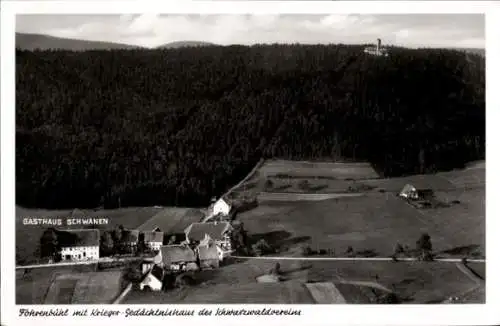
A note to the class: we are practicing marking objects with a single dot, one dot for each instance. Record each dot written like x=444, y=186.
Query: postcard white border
x=486, y=314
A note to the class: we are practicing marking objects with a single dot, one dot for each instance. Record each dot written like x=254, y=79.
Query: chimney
x=379, y=43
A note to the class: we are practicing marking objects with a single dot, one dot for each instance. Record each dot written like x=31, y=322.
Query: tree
x=117, y=238
x=389, y=298
x=424, y=243
x=304, y=184
x=172, y=240
x=150, y=146
x=261, y=247
x=276, y=270
x=269, y=184
x=424, y=247
x=398, y=249
x=49, y=245
x=107, y=244
x=349, y=251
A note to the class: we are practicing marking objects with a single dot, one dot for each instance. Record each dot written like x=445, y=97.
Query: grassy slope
x=378, y=220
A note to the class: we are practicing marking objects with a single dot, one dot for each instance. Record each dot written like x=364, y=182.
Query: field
x=84, y=288
x=333, y=170
x=28, y=236
x=325, y=293
x=259, y=293
x=32, y=286
x=416, y=282
x=375, y=219
x=376, y=222
x=173, y=219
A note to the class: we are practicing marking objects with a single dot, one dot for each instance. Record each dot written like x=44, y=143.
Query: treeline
x=177, y=126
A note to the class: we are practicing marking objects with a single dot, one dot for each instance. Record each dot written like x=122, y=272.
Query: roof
x=408, y=188
x=157, y=272
x=208, y=252
x=176, y=254
x=129, y=236
x=78, y=238
x=152, y=236
x=197, y=231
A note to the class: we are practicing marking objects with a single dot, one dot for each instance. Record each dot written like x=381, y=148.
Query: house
x=221, y=206
x=82, y=244
x=177, y=258
x=130, y=239
x=153, y=239
x=209, y=255
x=153, y=279
x=219, y=232
x=409, y=192
x=377, y=50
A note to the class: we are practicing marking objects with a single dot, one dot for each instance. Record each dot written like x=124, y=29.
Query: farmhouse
x=153, y=279
x=79, y=244
x=409, y=192
x=153, y=239
x=221, y=206
x=219, y=232
x=177, y=258
x=209, y=255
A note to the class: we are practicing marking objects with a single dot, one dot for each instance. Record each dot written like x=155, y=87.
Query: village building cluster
x=202, y=245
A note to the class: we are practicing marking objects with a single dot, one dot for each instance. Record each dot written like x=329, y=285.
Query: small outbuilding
x=153, y=279
x=409, y=192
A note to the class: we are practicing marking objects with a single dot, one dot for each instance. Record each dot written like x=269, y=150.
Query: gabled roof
x=408, y=188
x=208, y=252
x=197, y=231
x=78, y=238
x=152, y=236
x=129, y=236
x=177, y=254
x=157, y=272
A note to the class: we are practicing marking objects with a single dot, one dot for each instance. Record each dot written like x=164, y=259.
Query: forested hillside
x=177, y=126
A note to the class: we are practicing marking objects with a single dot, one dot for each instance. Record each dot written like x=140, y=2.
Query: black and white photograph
x=272, y=159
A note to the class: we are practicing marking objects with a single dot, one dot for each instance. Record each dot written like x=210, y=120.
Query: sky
x=150, y=30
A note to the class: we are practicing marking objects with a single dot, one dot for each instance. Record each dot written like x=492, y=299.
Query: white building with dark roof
x=153, y=239
x=79, y=245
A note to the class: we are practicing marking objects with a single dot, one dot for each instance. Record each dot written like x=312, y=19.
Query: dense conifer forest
x=177, y=126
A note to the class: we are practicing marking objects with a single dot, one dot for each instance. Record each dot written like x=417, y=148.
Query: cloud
x=155, y=29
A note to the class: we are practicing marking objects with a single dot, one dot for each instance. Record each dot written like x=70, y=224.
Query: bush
x=261, y=248
x=304, y=185
x=388, y=298
x=307, y=251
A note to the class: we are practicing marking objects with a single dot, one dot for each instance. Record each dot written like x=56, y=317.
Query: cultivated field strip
x=284, y=197
x=314, y=169
x=325, y=293
x=172, y=219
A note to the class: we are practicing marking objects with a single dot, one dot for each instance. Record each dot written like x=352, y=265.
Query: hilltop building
x=377, y=50
x=79, y=245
